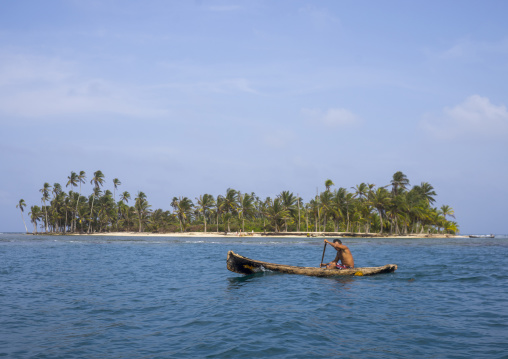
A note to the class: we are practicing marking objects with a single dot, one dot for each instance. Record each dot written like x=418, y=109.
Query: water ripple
x=81, y=297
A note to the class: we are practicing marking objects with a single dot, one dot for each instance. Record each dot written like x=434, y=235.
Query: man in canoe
x=343, y=254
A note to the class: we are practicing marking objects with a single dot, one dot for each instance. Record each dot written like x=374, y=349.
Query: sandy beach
x=271, y=234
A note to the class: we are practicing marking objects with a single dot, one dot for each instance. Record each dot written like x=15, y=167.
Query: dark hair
x=337, y=241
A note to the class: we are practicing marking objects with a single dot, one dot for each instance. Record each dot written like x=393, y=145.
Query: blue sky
x=182, y=98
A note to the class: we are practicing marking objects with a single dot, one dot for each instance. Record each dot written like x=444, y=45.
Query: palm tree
x=447, y=211
x=116, y=183
x=288, y=202
x=380, y=199
x=125, y=215
x=183, y=207
x=205, y=203
x=337, y=205
x=276, y=213
x=125, y=196
x=349, y=200
x=407, y=210
x=56, y=205
x=218, y=209
x=396, y=210
x=426, y=192
x=306, y=209
x=70, y=206
x=45, y=196
x=361, y=190
x=57, y=189
x=314, y=210
x=142, y=208
x=106, y=210
x=80, y=179
x=451, y=227
x=229, y=203
x=399, y=180
x=21, y=205
x=245, y=208
x=97, y=181
x=298, y=200
x=56, y=208
x=325, y=206
x=35, y=215
x=159, y=220
x=73, y=182
x=328, y=184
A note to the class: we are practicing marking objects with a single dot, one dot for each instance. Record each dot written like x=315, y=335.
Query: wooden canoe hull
x=243, y=265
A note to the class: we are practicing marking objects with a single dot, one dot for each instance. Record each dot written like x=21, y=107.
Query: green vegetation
x=393, y=209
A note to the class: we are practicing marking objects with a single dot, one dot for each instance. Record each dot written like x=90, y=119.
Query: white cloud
x=223, y=8
x=206, y=79
x=333, y=117
x=476, y=117
x=34, y=87
x=321, y=19
x=16, y=70
x=279, y=139
x=471, y=51
x=223, y=86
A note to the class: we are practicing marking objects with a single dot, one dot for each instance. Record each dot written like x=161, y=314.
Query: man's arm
x=337, y=246
x=336, y=260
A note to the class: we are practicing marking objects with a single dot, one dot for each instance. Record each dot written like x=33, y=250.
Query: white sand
x=249, y=235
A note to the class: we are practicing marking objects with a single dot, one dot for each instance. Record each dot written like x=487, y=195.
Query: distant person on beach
x=343, y=255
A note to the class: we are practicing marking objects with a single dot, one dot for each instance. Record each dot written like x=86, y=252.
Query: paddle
x=323, y=257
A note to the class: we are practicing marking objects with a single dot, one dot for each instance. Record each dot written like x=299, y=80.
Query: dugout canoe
x=243, y=265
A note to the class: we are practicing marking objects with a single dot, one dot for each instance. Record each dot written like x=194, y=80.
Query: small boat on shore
x=243, y=265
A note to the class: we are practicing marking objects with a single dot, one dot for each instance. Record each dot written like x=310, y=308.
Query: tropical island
x=396, y=209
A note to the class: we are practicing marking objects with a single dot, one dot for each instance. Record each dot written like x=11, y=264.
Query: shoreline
x=260, y=235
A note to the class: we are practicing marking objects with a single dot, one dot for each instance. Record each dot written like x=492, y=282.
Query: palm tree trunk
x=26, y=229
x=46, y=214
x=91, y=211
x=76, y=213
x=298, y=212
x=381, y=220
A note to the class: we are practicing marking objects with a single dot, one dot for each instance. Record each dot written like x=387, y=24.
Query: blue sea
x=168, y=297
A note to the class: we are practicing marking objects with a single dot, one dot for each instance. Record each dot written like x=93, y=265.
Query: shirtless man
x=343, y=254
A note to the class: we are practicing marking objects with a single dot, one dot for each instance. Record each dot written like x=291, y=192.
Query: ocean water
x=166, y=297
